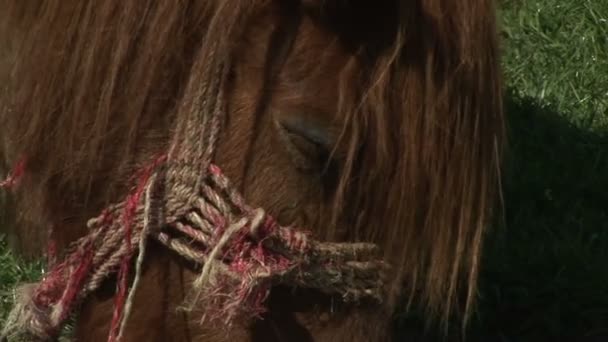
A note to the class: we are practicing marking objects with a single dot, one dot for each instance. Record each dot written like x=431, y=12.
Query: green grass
x=545, y=274
x=12, y=273
x=557, y=53
x=545, y=270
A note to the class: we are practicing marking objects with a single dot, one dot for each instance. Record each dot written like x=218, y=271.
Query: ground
x=544, y=274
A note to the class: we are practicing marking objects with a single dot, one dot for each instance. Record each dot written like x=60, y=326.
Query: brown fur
x=410, y=89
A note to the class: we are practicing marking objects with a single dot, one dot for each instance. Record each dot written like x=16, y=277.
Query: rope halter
x=184, y=202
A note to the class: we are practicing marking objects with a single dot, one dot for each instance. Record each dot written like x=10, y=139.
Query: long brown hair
x=434, y=114
x=91, y=82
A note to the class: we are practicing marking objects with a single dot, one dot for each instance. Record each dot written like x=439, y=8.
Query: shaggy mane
x=92, y=82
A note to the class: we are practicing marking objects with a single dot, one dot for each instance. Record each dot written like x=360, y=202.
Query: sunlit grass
x=12, y=273
x=557, y=52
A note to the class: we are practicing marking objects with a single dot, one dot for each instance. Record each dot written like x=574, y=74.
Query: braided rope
x=241, y=251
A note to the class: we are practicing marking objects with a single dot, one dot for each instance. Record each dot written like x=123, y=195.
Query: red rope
x=76, y=282
x=251, y=263
x=131, y=205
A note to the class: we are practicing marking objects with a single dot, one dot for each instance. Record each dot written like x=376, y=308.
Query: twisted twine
x=241, y=251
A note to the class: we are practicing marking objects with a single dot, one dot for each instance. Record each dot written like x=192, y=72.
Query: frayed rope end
x=26, y=322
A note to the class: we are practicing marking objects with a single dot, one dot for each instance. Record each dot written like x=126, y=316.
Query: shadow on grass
x=545, y=269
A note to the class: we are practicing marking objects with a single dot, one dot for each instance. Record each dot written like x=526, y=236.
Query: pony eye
x=307, y=143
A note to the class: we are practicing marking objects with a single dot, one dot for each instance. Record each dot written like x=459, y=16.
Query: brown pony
x=363, y=122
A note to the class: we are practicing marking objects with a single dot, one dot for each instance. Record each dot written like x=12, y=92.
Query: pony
x=363, y=123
